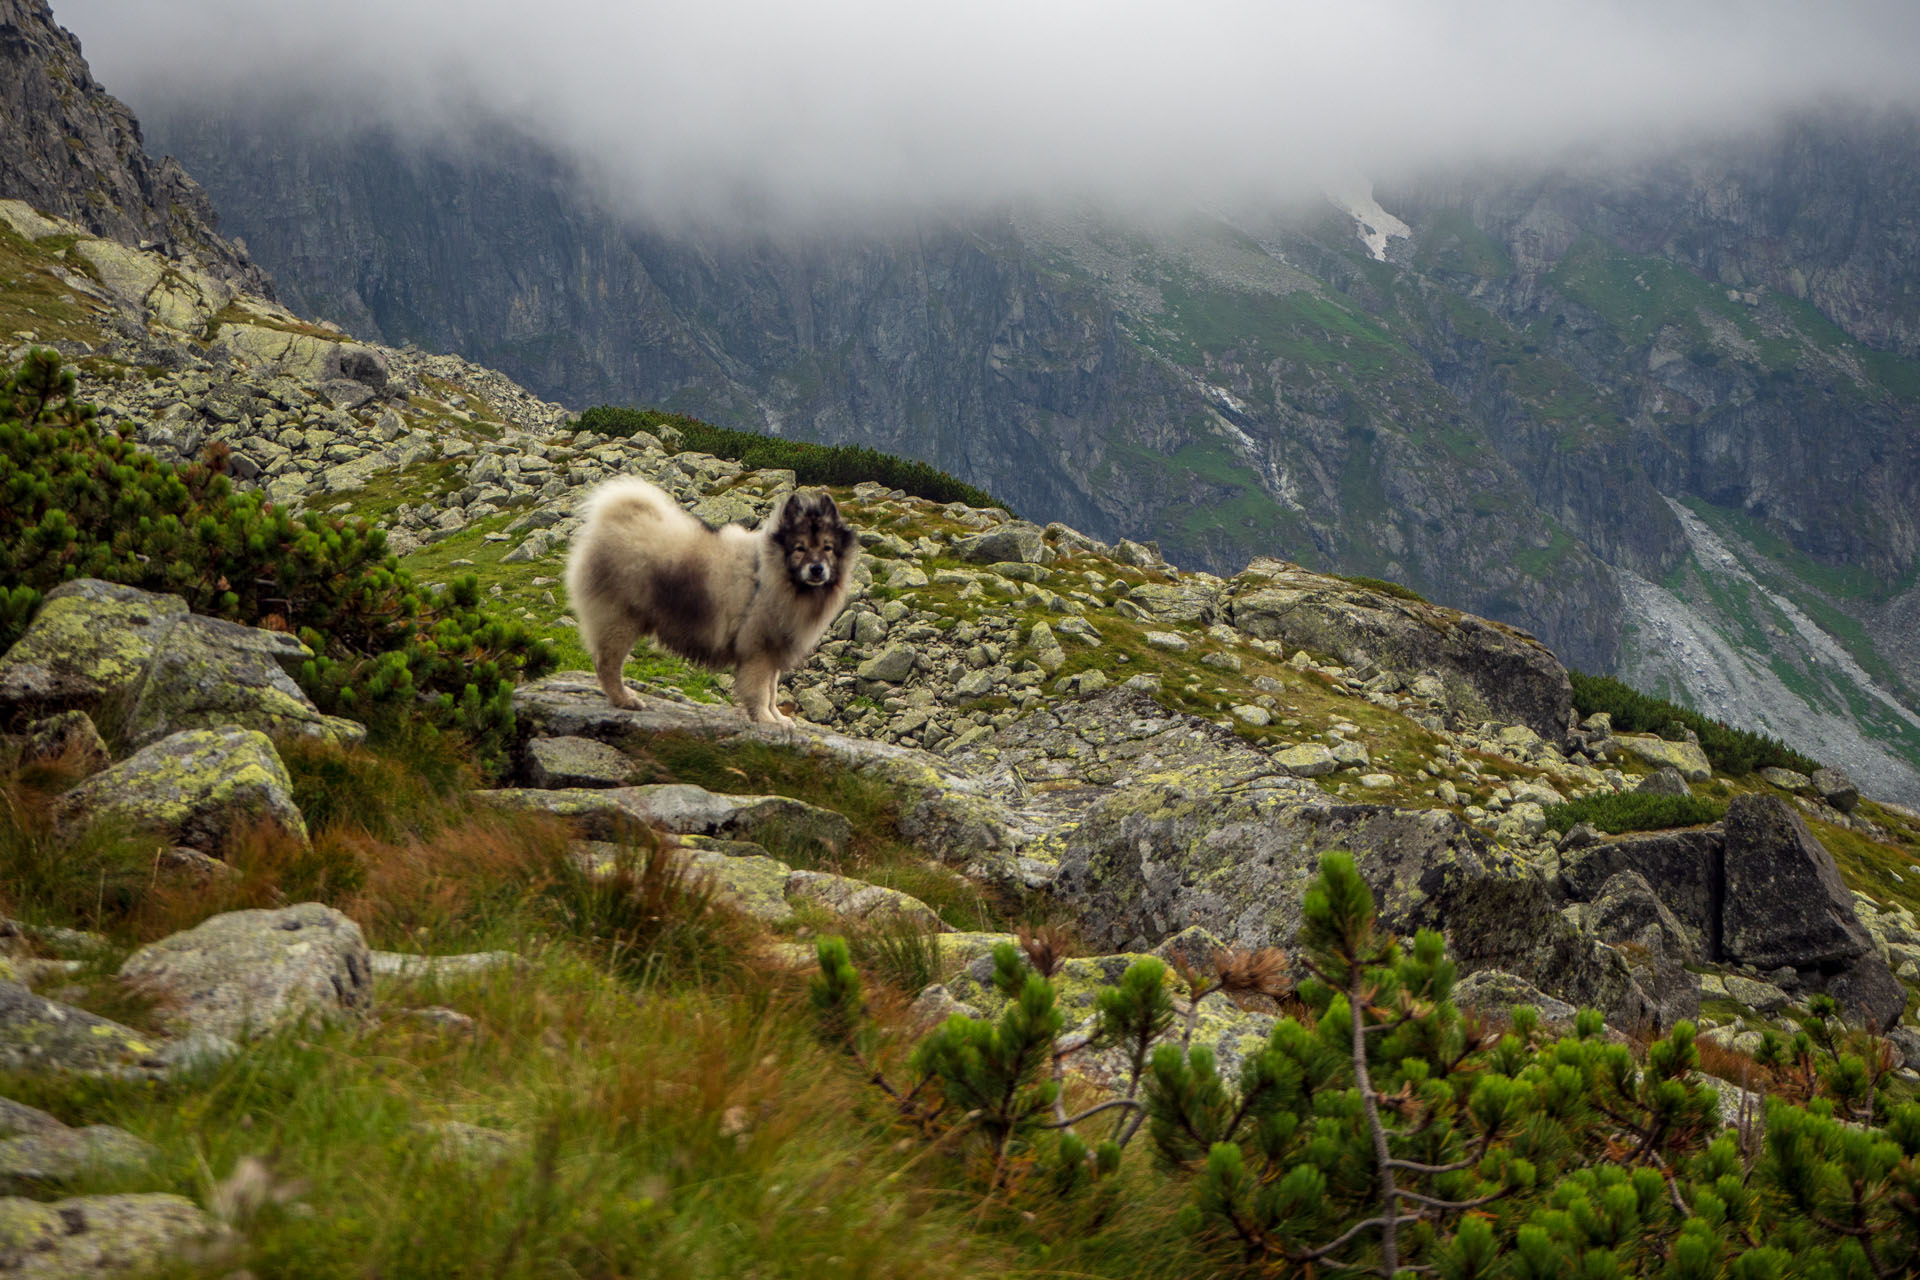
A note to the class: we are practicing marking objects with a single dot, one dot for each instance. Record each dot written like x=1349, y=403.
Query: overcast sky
x=844, y=105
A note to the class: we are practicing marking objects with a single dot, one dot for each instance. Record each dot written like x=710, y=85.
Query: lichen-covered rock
x=1488, y=671
x=1494, y=993
x=100, y=1235
x=1016, y=541
x=38, y=1034
x=69, y=734
x=1307, y=760
x=245, y=973
x=208, y=673
x=682, y=809
x=198, y=788
x=143, y=667
x=1686, y=757
x=62, y=1154
x=857, y=900
x=88, y=647
x=1664, y=781
x=555, y=763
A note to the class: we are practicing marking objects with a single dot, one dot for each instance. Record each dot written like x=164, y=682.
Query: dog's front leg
x=755, y=687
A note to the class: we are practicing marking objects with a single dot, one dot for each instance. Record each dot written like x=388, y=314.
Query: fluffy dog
x=756, y=600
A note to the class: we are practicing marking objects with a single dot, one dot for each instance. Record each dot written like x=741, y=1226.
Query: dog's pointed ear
x=828, y=507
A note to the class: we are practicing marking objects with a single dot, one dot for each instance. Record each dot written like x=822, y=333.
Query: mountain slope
x=1491, y=393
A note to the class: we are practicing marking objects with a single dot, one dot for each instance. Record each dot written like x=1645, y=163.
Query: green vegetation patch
x=1731, y=750
x=77, y=501
x=1635, y=811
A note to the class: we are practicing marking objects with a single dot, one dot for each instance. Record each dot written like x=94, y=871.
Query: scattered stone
x=1168, y=640
x=890, y=666
x=1247, y=714
x=1307, y=760
x=1786, y=779
x=245, y=973
x=1836, y=788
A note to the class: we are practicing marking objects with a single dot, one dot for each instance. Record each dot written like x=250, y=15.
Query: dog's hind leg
x=612, y=644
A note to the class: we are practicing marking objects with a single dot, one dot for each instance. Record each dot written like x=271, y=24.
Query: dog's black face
x=814, y=540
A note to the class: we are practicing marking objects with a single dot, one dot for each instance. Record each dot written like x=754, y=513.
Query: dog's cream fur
x=756, y=600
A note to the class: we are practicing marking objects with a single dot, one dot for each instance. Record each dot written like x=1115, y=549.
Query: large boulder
x=201, y=788
x=1785, y=901
x=1486, y=670
x=1683, y=868
x=1017, y=541
x=209, y=673
x=1657, y=949
x=305, y=357
x=142, y=667
x=246, y=973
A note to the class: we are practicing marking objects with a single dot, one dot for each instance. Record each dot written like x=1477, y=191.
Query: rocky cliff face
x=70, y=148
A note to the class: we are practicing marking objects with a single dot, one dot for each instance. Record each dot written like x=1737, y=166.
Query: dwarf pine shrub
x=80, y=501
x=820, y=464
x=1622, y=811
x=1732, y=751
x=1383, y=1132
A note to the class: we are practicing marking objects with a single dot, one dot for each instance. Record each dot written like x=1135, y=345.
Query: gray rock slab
x=576, y=762
x=246, y=973
x=686, y=810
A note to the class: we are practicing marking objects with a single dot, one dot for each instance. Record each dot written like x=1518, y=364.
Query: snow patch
x=1375, y=226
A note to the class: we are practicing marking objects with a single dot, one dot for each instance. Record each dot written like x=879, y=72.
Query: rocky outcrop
x=1487, y=671
x=72, y=149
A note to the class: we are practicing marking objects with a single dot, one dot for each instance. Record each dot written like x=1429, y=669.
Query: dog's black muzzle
x=816, y=574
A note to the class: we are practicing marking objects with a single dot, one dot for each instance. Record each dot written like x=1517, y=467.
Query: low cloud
x=845, y=107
